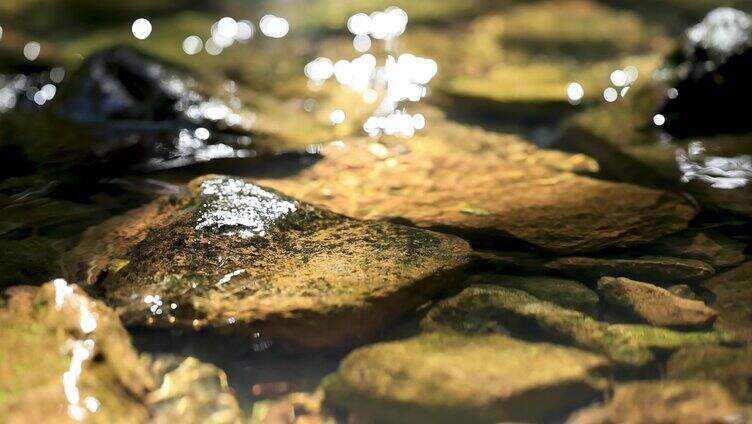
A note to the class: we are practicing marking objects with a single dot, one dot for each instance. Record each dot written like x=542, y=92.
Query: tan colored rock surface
x=484, y=197
x=66, y=358
x=655, y=305
x=733, y=300
x=666, y=402
x=238, y=258
x=658, y=269
x=732, y=367
x=446, y=378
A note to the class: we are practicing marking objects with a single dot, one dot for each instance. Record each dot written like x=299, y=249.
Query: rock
x=565, y=293
x=65, y=356
x=28, y=261
x=191, y=391
x=669, y=402
x=712, y=77
x=658, y=269
x=705, y=245
x=237, y=258
x=655, y=305
x=485, y=198
x=728, y=366
x=295, y=408
x=483, y=309
x=445, y=378
x=682, y=290
x=733, y=300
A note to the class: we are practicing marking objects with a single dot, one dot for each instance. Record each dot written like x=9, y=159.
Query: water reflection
x=719, y=172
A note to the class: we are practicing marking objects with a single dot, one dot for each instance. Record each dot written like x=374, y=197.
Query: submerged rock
x=28, y=261
x=484, y=309
x=242, y=259
x=726, y=365
x=668, y=402
x=485, y=198
x=733, y=297
x=710, y=246
x=66, y=357
x=656, y=269
x=191, y=391
x=446, y=378
x=566, y=293
x=712, y=77
x=295, y=408
x=655, y=305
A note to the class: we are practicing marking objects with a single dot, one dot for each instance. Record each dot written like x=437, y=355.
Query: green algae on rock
x=485, y=308
x=191, y=391
x=66, y=357
x=727, y=365
x=668, y=402
x=484, y=197
x=242, y=259
x=733, y=300
x=655, y=305
x=563, y=292
x=449, y=378
x=656, y=269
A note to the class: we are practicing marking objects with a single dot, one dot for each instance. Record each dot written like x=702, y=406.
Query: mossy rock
x=560, y=291
x=451, y=378
x=665, y=402
x=727, y=365
x=733, y=300
x=241, y=259
x=65, y=355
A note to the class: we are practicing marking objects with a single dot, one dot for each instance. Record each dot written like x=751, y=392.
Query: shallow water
x=413, y=116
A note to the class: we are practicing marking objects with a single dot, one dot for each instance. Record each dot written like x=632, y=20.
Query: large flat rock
x=449, y=378
x=485, y=197
x=238, y=258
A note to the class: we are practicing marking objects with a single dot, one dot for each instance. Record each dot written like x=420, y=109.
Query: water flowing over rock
x=665, y=402
x=485, y=198
x=655, y=305
x=66, y=357
x=237, y=258
x=445, y=378
x=713, y=77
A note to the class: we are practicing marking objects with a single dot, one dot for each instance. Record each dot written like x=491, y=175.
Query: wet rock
x=712, y=77
x=733, y=300
x=485, y=198
x=483, y=309
x=657, y=269
x=295, y=408
x=28, y=261
x=450, y=378
x=191, y=391
x=710, y=246
x=665, y=402
x=238, y=258
x=65, y=356
x=560, y=291
x=655, y=305
x=725, y=365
